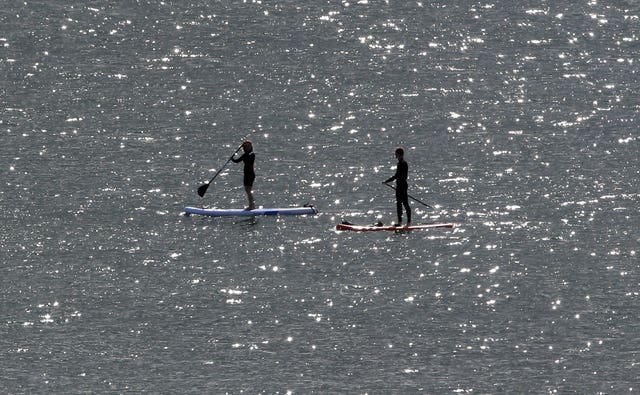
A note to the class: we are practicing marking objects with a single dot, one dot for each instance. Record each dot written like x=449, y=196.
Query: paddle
x=411, y=197
x=203, y=188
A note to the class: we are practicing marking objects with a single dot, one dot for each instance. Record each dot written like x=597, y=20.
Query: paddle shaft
x=410, y=197
x=203, y=188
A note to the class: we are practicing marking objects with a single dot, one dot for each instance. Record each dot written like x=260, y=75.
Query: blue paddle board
x=234, y=212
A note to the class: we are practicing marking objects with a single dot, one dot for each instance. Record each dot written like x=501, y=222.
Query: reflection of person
x=402, y=195
x=248, y=157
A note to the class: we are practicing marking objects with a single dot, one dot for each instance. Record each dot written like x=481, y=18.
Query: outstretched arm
x=395, y=176
x=237, y=160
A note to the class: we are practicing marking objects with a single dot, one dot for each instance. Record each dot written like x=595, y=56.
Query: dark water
x=520, y=122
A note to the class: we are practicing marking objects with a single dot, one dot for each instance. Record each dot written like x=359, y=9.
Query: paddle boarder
x=248, y=158
x=402, y=195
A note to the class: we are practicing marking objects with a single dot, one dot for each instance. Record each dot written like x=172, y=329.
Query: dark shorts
x=402, y=193
x=249, y=179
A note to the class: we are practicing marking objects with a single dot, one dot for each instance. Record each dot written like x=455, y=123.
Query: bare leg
x=399, y=212
x=248, y=190
x=408, y=210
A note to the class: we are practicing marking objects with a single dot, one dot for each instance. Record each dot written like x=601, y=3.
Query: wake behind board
x=234, y=212
x=374, y=228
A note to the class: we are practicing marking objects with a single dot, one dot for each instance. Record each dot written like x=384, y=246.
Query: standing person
x=248, y=157
x=402, y=195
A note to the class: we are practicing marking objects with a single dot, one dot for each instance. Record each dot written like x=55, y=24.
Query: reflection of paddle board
x=373, y=228
x=238, y=212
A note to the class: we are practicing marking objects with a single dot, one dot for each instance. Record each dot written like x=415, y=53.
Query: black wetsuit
x=249, y=174
x=402, y=195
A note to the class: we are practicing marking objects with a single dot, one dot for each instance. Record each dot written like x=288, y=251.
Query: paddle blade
x=202, y=189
